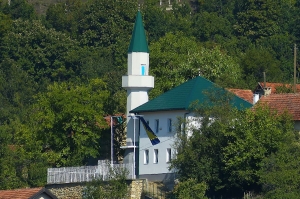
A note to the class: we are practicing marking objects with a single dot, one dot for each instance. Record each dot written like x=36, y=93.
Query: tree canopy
x=181, y=58
x=232, y=150
x=68, y=119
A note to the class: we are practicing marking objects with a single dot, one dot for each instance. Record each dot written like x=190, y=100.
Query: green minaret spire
x=138, y=41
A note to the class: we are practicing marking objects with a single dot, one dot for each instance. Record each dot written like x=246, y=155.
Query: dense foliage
x=60, y=72
x=114, y=187
x=190, y=189
x=236, y=152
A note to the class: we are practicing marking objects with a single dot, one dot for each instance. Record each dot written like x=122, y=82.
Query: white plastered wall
x=166, y=141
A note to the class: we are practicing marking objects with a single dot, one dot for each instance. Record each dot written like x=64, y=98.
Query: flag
x=153, y=138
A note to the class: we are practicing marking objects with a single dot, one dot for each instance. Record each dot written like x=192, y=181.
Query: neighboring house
x=289, y=102
x=245, y=94
x=264, y=89
x=268, y=88
x=273, y=95
x=28, y=193
x=161, y=114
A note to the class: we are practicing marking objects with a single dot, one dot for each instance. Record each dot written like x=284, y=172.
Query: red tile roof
x=27, y=193
x=242, y=93
x=289, y=102
x=274, y=85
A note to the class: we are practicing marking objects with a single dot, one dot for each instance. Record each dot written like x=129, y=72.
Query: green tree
x=257, y=60
x=157, y=20
x=114, y=187
x=8, y=176
x=108, y=25
x=107, y=21
x=294, y=22
x=19, y=9
x=182, y=19
x=190, y=189
x=222, y=7
x=279, y=173
x=22, y=162
x=259, y=18
x=64, y=16
x=281, y=48
x=16, y=90
x=211, y=27
x=29, y=162
x=176, y=58
x=228, y=148
x=105, y=25
x=5, y=23
x=118, y=95
x=42, y=53
x=68, y=119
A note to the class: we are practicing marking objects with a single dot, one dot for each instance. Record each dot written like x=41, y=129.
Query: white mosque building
x=161, y=113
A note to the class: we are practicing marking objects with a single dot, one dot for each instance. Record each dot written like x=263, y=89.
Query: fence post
x=156, y=191
x=153, y=189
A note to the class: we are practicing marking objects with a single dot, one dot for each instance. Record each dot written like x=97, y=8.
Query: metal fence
x=85, y=173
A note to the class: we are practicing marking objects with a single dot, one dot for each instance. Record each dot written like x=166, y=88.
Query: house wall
x=158, y=171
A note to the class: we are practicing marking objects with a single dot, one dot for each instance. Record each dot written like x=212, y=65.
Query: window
x=156, y=126
x=155, y=157
x=169, y=125
x=143, y=69
x=169, y=155
x=180, y=127
x=146, y=156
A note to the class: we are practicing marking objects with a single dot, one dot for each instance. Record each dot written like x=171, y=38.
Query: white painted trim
x=128, y=147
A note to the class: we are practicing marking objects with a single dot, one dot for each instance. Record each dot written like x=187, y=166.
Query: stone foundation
x=75, y=190
x=136, y=188
x=67, y=191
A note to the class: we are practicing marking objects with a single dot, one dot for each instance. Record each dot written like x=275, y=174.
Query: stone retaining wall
x=74, y=190
x=136, y=188
x=67, y=191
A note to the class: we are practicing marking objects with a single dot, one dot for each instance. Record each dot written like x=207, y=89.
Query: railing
x=84, y=173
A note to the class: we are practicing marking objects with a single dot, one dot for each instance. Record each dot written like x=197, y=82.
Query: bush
x=114, y=188
x=190, y=189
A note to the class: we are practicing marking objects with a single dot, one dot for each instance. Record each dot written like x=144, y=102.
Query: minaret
x=137, y=82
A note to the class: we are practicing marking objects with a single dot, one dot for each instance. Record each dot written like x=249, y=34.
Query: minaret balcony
x=138, y=81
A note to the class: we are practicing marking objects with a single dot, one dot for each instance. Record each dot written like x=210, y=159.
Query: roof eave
x=156, y=110
x=43, y=190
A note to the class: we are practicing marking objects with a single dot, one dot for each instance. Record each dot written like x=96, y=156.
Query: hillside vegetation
x=61, y=64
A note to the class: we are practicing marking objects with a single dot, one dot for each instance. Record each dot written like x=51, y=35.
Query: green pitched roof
x=182, y=96
x=138, y=41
